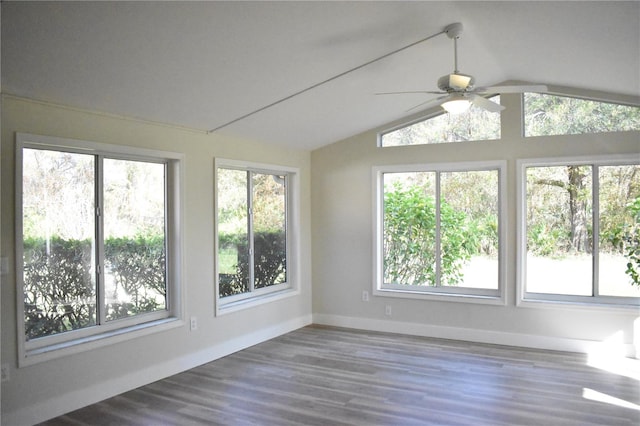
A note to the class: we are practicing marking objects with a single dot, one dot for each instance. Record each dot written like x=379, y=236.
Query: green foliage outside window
x=270, y=261
x=626, y=238
x=546, y=115
x=137, y=266
x=251, y=206
x=410, y=239
x=59, y=283
x=474, y=125
x=559, y=213
x=59, y=288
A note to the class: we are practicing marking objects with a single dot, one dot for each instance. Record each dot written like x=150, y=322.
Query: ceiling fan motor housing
x=455, y=82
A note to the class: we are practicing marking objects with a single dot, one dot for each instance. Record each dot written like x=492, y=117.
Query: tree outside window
x=252, y=225
x=93, y=240
x=582, y=229
x=474, y=125
x=546, y=115
x=440, y=231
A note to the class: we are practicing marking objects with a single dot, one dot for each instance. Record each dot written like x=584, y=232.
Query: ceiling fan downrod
x=453, y=31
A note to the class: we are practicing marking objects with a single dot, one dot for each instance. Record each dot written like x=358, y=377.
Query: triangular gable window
x=475, y=124
x=547, y=115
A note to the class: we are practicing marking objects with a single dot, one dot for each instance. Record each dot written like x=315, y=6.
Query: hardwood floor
x=330, y=376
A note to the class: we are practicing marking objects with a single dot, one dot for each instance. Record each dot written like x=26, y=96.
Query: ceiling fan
x=458, y=90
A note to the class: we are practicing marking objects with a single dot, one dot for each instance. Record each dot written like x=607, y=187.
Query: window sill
x=442, y=296
x=59, y=350
x=532, y=302
x=223, y=308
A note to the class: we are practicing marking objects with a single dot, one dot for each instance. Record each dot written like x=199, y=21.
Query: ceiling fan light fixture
x=456, y=105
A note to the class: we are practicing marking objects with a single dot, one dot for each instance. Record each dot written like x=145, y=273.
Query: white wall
x=41, y=391
x=338, y=177
x=342, y=206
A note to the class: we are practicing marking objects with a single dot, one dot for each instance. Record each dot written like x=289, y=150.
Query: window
x=474, y=124
x=255, y=231
x=439, y=230
x=580, y=230
x=546, y=115
x=97, y=248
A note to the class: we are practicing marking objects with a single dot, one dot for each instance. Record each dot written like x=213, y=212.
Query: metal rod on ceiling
x=342, y=74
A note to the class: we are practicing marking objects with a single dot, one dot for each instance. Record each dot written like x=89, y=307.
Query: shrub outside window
x=439, y=230
x=580, y=222
x=255, y=231
x=96, y=246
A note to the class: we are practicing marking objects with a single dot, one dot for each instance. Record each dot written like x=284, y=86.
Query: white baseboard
x=80, y=398
x=479, y=336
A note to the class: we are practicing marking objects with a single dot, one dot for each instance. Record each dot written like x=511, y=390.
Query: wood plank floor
x=330, y=376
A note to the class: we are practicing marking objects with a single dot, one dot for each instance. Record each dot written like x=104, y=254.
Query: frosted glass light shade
x=456, y=106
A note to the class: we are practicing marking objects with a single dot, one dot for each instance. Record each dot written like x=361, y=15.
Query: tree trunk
x=578, y=208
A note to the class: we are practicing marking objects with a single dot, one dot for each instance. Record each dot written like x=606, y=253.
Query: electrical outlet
x=194, y=323
x=4, y=370
x=387, y=310
x=365, y=296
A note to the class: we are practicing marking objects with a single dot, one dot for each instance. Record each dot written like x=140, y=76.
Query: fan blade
x=485, y=103
x=411, y=92
x=430, y=103
x=536, y=88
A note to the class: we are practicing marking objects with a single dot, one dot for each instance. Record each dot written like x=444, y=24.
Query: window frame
x=255, y=297
x=104, y=333
x=530, y=299
x=443, y=293
x=431, y=114
x=570, y=93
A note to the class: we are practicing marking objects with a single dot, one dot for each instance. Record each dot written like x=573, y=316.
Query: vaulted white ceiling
x=203, y=64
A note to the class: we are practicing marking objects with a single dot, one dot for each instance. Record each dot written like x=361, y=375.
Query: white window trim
x=450, y=294
x=432, y=113
x=526, y=299
x=76, y=341
x=582, y=95
x=276, y=292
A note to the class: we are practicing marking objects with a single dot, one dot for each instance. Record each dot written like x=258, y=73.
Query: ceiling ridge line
x=342, y=74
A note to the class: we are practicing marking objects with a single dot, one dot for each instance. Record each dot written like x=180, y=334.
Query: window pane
x=469, y=229
x=546, y=115
x=409, y=235
x=59, y=242
x=473, y=125
x=134, y=238
x=619, y=220
x=559, y=230
x=269, y=229
x=233, y=239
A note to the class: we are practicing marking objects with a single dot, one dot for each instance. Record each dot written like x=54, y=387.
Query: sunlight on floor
x=608, y=399
x=627, y=367
x=610, y=356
